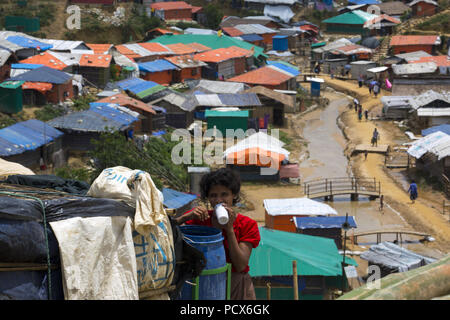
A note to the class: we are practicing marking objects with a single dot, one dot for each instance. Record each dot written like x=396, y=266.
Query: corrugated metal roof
x=100, y=48
x=44, y=74
x=251, y=37
x=232, y=32
x=29, y=43
x=113, y=112
x=433, y=112
x=266, y=75
x=441, y=61
x=414, y=40
x=228, y=100
x=437, y=143
x=284, y=13
x=21, y=137
x=175, y=199
x=211, y=41
x=412, y=56
x=428, y=97
x=220, y=86
x=95, y=60
x=46, y=59
x=222, y=54
x=126, y=101
x=4, y=56
x=198, y=31
x=181, y=48
x=85, y=121
x=156, y=66
x=170, y=5
x=64, y=45
x=254, y=29
x=323, y=222
x=10, y=46
x=185, y=61
x=414, y=68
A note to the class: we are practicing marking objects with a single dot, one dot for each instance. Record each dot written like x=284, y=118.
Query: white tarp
x=8, y=168
x=377, y=69
x=97, y=258
x=284, y=13
x=297, y=206
x=437, y=143
x=211, y=100
x=259, y=140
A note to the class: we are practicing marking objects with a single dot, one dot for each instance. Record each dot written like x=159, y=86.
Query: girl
x=241, y=234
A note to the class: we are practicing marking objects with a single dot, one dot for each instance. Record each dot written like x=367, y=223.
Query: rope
x=46, y=235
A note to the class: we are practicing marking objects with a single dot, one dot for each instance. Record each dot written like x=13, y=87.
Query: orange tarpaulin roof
x=39, y=86
x=256, y=157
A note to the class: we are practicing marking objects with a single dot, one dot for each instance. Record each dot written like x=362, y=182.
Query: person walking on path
x=356, y=103
x=376, y=89
x=359, y=112
x=412, y=191
x=366, y=114
x=365, y=154
x=360, y=81
x=375, y=137
x=370, y=89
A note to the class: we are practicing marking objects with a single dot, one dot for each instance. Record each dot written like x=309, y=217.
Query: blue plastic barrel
x=209, y=241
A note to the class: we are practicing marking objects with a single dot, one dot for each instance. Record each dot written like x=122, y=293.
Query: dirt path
x=424, y=215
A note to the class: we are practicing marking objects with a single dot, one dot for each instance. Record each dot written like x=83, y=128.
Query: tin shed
x=280, y=43
x=360, y=68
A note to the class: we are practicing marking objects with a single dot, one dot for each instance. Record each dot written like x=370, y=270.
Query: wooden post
x=295, y=279
x=268, y=290
x=326, y=185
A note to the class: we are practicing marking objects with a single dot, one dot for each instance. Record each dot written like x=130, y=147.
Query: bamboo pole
x=295, y=279
x=268, y=290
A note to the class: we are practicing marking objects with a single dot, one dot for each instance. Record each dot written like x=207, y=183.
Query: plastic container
x=221, y=214
x=209, y=241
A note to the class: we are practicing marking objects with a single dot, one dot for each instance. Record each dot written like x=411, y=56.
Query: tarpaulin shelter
x=159, y=71
x=318, y=260
x=393, y=258
x=445, y=128
x=280, y=213
x=180, y=201
x=327, y=227
x=142, y=89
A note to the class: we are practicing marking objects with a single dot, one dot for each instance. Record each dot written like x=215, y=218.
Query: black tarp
x=50, y=182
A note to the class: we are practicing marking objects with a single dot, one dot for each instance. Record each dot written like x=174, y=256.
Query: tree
x=213, y=16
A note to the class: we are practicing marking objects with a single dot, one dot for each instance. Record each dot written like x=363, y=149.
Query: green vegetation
x=213, y=16
x=82, y=102
x=48, y=112
x=438, y=23
x=80, y=174
x=8, y=120
x=45, y=13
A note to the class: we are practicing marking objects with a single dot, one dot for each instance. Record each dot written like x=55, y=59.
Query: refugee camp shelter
x=224, y=119
x=257, y=157
x=395, y=9
x=179, y=109
x=180, y=201
x=188, y=68
x=319, y=265
x=423, y=8
x=411, y=43
x=392, y=258
x=268, y=76
x=146, y=112
x=172, y=10
x=45, y=85
x=280, y=213
x=159, y=71
x=327, y=227
x=141, y=89
x=28, y=141
x=11, y=93
x=382, y=25
x=432, y=154
x=82, y=127
x=359, y=68
x=95, y=68
x=349, y=23
x=396, y=107
x=431, y=108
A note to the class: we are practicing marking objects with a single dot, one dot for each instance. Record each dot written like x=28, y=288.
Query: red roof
x=222, y=54
x=95, y=60
x=181, y=48
x=413, y=40
x=127, y=52
x=196, y=9
x=154, y=47
x=199, y=47
x=264, y=76
x=171, y=5
x=164, y=31
x=46, y=59
x=232, y=32
x=441, y=61
x=126, y=101
x=39, y=86
x=99, y=48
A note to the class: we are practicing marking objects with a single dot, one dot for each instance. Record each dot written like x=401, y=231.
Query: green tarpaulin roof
x=318, y=44
x=234, y=114
x=12, y=84
x=353, y=17
x=315, y=256
x=211, y=41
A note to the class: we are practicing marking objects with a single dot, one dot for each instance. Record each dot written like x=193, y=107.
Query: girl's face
x=220, y=194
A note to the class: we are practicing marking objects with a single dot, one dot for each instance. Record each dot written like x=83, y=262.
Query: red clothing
x=245, y=229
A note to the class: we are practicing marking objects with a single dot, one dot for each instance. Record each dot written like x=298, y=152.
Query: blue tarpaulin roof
x=175, y=199
x=25, y=66
x=109, y=112
x=27, y=135
x=279, y=37
x=86, y=121
x=251, y=37
x=322, y=222
x=443, y=128
x=43, y=74
x=29, y=43
x=156, y=66
x=138, y=85
x=284, y=67
x=364, y=1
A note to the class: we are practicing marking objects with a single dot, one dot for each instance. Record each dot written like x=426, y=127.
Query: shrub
x=48, y=112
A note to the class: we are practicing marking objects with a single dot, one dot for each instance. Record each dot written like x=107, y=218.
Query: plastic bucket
x=209, y=241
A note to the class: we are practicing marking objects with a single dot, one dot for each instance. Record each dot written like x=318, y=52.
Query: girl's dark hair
x=224, y=177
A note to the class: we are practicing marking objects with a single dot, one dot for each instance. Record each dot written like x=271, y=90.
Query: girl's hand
x=231, y=217
x=199, y=213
